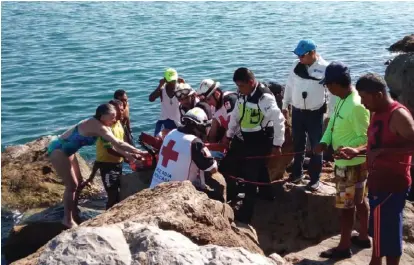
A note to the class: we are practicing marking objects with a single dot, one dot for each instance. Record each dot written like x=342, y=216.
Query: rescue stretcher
x=152, y=146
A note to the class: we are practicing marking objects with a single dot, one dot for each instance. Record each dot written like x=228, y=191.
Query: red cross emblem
x=224, y=123
x=168, y=153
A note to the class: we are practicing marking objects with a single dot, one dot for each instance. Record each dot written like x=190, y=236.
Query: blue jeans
x=310, y=123
x=164, y=124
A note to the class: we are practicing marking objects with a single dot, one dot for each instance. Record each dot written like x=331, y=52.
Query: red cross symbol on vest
x=168, y=153
x=224, y=123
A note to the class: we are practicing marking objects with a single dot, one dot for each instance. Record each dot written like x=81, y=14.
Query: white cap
x=207, y=87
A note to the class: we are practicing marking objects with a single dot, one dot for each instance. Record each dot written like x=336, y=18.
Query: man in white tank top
x=170, y=114
x=183, y=155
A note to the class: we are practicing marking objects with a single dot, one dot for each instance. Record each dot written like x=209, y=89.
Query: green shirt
x=348, y=127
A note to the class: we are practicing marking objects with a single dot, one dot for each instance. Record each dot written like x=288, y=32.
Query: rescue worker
x=263, y=128
x=188, y=99
x=223, y=103
x=183, y=155
x=170, y=115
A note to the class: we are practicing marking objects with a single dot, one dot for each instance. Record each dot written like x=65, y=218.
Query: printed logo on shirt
x=319, y=71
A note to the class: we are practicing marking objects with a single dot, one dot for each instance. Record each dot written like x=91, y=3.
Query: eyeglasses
x=183, y=93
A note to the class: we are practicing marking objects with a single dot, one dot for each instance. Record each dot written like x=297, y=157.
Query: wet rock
x=406, y=44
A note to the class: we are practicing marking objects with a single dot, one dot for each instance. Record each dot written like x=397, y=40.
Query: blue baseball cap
x=304, y=46
x=335, y=71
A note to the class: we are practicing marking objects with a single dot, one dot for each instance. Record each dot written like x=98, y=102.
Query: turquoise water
x=60, y=60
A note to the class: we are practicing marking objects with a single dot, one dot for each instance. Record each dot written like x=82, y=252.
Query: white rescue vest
x=169, y=107
x=175, y=162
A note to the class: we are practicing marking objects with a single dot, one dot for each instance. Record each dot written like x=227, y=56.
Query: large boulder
x=28, y=179
x=176, y=206
x=135, y=243
x=296, y=219
x=406, y=44
x=399, y=76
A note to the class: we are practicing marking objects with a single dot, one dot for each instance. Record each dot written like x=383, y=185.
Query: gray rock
x=399, y=76
x=133, y=243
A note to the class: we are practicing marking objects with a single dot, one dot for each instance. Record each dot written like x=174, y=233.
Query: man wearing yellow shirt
x=109, y=161
x=347, y=127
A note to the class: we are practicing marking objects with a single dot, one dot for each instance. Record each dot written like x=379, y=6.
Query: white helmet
x=183, y=90
x=196, y=115
x=207, y=87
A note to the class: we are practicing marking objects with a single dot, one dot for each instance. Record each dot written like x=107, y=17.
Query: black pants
x=231, y=165
x=110, y=174
x=255, y=170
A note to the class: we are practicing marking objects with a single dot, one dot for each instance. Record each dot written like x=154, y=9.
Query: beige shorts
x=346, y=178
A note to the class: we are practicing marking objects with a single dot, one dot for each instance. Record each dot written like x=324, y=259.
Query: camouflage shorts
x=346, y=178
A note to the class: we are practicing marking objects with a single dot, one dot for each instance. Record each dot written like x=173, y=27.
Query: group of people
x=371, y=134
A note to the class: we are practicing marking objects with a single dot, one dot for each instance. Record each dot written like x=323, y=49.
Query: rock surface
x=38, y=226
x=399, y=76
x=406, y=44
x=296, y=219
x=133, y=243
x=28, y=179
x=310, y=255
x=277, y=165
x=176, y=206
x=135, y=182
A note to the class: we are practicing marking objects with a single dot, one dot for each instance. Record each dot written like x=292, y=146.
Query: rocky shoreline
x=174, y=223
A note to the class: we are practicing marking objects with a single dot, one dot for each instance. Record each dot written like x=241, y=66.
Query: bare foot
x=69, y=224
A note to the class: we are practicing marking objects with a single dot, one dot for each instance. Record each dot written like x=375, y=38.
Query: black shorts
x=110, y=173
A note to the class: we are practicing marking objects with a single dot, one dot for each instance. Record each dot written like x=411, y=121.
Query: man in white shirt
x=262, y=126
x=170, y=113
x=309, y=100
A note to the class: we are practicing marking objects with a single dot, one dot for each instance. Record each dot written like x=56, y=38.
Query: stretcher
x=152, y=146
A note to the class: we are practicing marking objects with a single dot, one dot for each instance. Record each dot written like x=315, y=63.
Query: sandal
x=335, y=253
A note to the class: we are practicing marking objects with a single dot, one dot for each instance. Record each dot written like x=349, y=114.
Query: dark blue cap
x=304, y=46
x=335, y=71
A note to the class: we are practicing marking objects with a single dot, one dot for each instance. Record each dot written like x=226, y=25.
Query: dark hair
x=119, y=93
x=103, y=109
x=116, y=102
x=371, y=83
x=276, y=88
x=344, y=80
x=243, y=74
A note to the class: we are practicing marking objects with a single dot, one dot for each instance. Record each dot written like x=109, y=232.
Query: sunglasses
x=303, y=55
x=183, y=93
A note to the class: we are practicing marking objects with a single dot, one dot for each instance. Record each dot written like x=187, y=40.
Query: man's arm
x=402, y=123
x=202, y=157
x=212, y=135
x=287, y=97
x=234, y=121
x=157, y=92
x=271, y=111
x=360, y=122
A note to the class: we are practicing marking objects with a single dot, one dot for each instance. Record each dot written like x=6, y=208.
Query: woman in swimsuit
x=62, y=149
